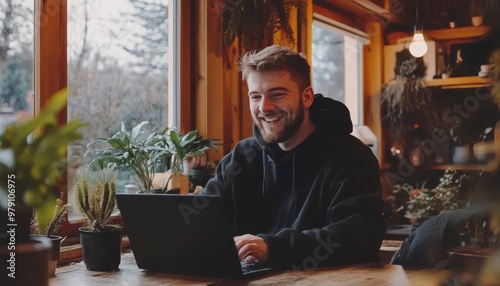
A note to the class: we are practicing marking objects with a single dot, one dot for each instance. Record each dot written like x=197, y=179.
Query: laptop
x=183, y=234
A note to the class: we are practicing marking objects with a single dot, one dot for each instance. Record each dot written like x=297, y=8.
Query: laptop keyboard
x=252, y=267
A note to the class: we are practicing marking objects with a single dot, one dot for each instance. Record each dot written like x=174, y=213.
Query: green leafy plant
x=250, y=21
x=185, y=145
x=422, y=201
x=59, y=215
x=448, y=69
x=95, y=195
x=139, y=149
x=33, y=159
x=182, y=146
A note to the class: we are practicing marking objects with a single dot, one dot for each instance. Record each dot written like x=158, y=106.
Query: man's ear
x=308, y=97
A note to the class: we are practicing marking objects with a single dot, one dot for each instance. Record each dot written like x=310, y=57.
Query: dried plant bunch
x=406, y=100
x=95, y=195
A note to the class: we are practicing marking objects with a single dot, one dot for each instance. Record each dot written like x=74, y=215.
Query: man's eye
x=278, y=95
x=255, y=97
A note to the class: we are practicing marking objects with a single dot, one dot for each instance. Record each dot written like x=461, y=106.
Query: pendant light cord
x=416, y=8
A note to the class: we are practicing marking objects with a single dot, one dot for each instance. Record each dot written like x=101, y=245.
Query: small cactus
x=95, y=195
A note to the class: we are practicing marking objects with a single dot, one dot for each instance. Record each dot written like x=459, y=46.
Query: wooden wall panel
x=233, y=91
x=186, y=36
x=208, y=81
x=372, y=80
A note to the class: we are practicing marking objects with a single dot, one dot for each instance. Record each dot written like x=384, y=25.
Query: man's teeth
x=271, y=119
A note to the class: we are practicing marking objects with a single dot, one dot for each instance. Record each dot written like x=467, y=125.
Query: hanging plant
x=251, y=21
x=406, y=100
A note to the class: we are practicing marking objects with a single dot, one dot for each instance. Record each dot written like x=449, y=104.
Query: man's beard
x=287, y=131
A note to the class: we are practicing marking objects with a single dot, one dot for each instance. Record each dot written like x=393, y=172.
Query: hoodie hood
x=330, y=117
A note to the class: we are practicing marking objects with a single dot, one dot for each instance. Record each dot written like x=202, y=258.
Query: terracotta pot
x=477, y=20
x=29, y=266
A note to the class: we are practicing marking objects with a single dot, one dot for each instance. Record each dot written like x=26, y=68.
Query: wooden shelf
x=465, y=34
x=460, y=82
x=446, y=36
x=463, y=167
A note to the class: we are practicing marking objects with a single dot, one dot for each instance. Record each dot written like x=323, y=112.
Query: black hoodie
x=317, y=205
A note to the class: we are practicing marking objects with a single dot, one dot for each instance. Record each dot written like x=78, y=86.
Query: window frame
x=50, y=74
x=355, y=104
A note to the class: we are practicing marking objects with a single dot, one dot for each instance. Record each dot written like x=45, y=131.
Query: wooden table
x=356, y=275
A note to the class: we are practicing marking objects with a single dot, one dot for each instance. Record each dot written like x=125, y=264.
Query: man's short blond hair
x=277, y=58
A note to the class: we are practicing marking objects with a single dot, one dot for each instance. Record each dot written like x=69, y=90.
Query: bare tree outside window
x=16, y=60
x=328, y=62
x=336, y=66
x=117, y=69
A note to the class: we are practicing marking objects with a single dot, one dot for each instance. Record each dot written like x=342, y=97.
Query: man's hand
x=251, y=248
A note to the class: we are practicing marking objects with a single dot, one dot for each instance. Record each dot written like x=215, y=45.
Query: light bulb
x=418, y=46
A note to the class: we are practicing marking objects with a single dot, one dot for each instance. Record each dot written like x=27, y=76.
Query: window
x=118, y=71
x=16, y=61
x=337, y=55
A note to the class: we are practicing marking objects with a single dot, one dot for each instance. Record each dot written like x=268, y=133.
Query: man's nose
x=266, y=104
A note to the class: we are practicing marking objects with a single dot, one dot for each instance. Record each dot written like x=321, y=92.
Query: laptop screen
x=180, y=234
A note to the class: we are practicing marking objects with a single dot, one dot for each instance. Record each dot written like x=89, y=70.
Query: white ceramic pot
x=461, y=154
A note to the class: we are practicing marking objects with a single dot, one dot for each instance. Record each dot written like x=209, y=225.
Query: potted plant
x=407, y=110
x=446, y=72
x=139, y=149
x=418, y=203
x=183, y=147
x=60, y=211
x=477, y=12
x=95, y=198
x=253, y=21
x=32, y=162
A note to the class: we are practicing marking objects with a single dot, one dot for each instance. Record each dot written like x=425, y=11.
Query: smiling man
x=304, y=192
